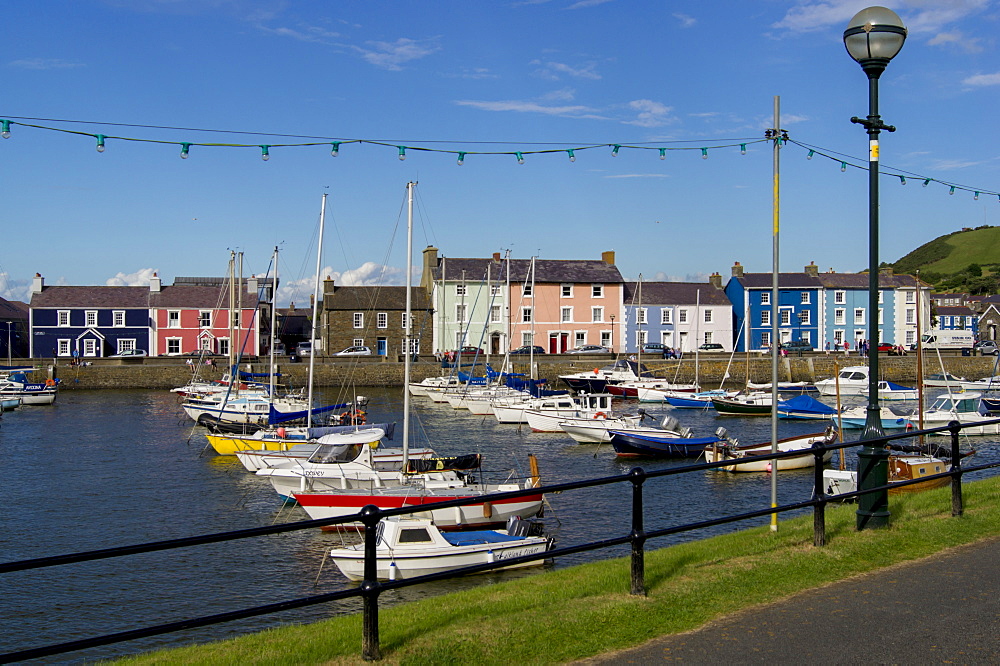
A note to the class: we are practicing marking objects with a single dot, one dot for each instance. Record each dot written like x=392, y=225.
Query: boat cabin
x=596, y=401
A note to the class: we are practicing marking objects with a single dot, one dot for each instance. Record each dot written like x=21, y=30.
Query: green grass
x=572, y=613
x=954, y=252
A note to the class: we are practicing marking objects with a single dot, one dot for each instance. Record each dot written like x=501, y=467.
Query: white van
x=304, y=348
x=948, y=340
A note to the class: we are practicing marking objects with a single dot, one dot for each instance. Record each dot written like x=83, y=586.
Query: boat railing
x=636, y=537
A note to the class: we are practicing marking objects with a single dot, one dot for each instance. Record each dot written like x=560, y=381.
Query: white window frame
x=840, y=297
x=566, y=290
x=496, y=314
x=840, y=317
x=382, y=320
x=90, y=318
x=682, y=316
x=527, y=338
x=526, y=313
x=461, y=313
x=402, y=322
x=765, y=317
x=597, y=314
x=173, y=342
x=566, y=314
x=358, y=342
x=204, y=318
x=805, y=317
x=460, y=290
x=859, y=316
x=605, y=338
x=63, y=347
x=581, y=338
x=173, y=318
x=118, y=318
x=641, y=337
x=597, y=291
x=125, y=344
x=527, y=290
x=666, y=317
x=62, y=318
x=805, y=298
x=90, y=347
x=640, y=316
x=359, y=320
x=708, y=315
x=785, y=316
x=765, y=298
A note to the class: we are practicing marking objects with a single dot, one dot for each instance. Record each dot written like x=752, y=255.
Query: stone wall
x=156, y=374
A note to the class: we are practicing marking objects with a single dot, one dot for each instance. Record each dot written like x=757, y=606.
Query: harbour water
x=101, y=469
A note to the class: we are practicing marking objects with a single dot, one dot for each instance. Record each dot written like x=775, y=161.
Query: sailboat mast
x=274, y=324
x=315, y=311
x=406, y=330
x=775, y=341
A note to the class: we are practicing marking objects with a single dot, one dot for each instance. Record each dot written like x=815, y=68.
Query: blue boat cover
x=281, y=417
x=897, y=387
x=477, y=538
x=805, y=404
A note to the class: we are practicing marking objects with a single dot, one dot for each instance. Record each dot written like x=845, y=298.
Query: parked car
x=304, y=349
x=891, y=349
x=470, y=351
x=988, y=348
x=711, y=347
x=279, y=348
x=793, y=346
x=529, y=349
x=203, y=353
x=654, y=348
x=354, y=351
x=130, y=353
x=588, y=349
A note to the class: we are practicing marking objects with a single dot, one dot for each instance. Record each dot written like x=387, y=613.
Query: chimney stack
x=37, y=284
x=737, y=270
x=812, y=269
x=608, y=257
x=496, y=257
x=154, y=283
x=430, y=263
x=715, y=279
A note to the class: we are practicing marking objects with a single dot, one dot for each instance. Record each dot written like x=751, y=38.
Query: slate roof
x=562, y=271
x=136, y=297
x=374, y=298
x=13, y=310
x=674, y=293
x=822, y=281
x=955, y=311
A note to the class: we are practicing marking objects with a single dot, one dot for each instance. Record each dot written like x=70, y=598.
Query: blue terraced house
x=88, y=321
x=798, y=308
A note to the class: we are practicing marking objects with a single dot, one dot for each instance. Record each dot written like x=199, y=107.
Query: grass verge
x=582, y=611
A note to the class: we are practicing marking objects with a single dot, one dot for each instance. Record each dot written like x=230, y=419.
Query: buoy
x=392, y=571
x=281, y=433
x=768, y=467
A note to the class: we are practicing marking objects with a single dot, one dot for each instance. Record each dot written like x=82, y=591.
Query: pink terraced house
x=194, y=314
x=559, y=304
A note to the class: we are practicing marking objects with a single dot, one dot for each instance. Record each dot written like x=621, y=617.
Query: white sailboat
x=417, y=488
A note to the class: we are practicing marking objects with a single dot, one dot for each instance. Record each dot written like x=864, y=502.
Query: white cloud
x=392, y=55
x=368, y=274
x=556, y=70
x=958, y=40
x=587, y=3
x=573, y=111
x=639, y=175
x=138, y=279
x=43, y=63
x=686, y=21
x=14, y=290
x=919, y=16
x=649, y=113
x=983, y=80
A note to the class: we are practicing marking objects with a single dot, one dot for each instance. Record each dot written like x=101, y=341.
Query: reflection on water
x=108, y=468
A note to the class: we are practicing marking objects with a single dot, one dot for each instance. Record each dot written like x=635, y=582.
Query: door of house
x=553, y=343
x=381, y=346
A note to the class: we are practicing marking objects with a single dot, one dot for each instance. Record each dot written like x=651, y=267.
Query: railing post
x=957, y=506
x=819, y=510
x=370, y=587
x=638, y=535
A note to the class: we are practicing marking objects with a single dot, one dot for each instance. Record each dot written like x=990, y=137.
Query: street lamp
x=873, y=38
x=612, y=334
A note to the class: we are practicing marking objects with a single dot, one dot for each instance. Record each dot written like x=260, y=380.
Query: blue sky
x=481, y=78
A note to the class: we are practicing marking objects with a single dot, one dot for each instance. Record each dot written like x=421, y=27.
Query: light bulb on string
x=810, y=155
x=927, y=182
x=5, y=129
x=100, y=142
x=572, y=155
x=402, y=153
x=743, y=149
x=663, y=153
x=185, y=149
x=976, y=196
x=902, y=180
x=264, y=153
x=334, y=149
x=952, y=190
x=704, y=153
x=615, y=149
x=461, y=159
x=520, y=158
x=843, y=167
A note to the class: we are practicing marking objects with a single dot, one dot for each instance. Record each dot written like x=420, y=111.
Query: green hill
x=966, y=260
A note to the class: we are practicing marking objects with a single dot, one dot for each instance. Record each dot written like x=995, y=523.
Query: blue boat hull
x=630, y=444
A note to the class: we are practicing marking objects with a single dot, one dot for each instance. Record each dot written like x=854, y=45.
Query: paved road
x=942, y=609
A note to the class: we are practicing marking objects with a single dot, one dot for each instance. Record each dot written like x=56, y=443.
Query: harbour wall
x=159, y=374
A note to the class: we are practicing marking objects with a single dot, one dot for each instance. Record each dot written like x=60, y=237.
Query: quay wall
x=154, y=373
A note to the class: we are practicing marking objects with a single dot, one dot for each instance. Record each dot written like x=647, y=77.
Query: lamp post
x=612, y=334
x=873, y=38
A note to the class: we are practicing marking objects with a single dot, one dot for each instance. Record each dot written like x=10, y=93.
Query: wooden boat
x=728, y=451
x=410, y=547
x=908, y=467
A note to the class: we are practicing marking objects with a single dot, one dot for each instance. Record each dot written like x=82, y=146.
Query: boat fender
x=596, y=371
x=281, y=433
x=487, y=510
x=600, y=415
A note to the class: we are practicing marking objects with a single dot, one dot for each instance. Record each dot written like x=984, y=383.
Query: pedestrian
x=827, y=347
x=847, y=347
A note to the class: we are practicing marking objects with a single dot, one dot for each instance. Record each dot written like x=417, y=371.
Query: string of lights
x=520, y=154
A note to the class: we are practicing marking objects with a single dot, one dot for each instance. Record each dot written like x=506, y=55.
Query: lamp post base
x=873, y=471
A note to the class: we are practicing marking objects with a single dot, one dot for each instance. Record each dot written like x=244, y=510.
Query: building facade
x=373, y=317
x=679, y=315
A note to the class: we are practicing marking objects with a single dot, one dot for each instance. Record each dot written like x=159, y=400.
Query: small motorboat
x=409, y=547
x=803, y=443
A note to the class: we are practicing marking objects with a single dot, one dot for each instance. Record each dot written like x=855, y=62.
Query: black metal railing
x=371, y=587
